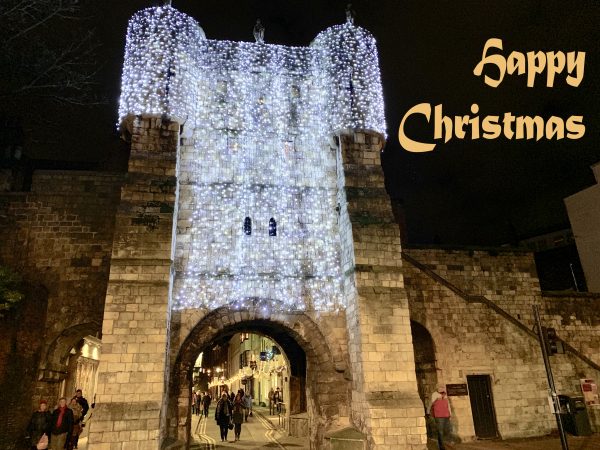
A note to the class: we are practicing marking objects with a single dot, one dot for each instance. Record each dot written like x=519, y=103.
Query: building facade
x=255, y=202
x=584, y=214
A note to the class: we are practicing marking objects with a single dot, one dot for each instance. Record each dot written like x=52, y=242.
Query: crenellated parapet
x=158, y=71
x=171, y=69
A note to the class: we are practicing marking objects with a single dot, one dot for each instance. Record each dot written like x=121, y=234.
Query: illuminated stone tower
x=255, y=188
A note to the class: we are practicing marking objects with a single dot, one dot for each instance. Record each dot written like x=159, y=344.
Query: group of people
x=231, y=411
x=59, y=429
x=200, y=403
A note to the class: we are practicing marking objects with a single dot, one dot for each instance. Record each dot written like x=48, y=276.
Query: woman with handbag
x=223, y=416
x=38, y=427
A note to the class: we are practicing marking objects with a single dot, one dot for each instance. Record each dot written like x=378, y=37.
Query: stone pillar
x=385, y=400
x=133, y=379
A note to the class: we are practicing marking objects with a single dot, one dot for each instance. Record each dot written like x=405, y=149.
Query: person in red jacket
x=440, y=411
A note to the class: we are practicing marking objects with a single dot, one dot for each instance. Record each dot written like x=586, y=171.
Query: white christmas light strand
x=262, y=117
x=167, y=58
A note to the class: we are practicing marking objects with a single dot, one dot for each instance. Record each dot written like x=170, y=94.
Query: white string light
x=262, y=116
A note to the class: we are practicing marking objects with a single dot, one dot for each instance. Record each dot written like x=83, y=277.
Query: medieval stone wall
x=385, y=404
x=471, y=338
x=132, y=377
x=58, y=236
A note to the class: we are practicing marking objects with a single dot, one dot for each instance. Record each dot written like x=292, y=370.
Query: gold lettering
x=516, y=61
x=575, y=61
x=528, y=123
x=498, y=60
x=536, y=61
x=491, y=128
x=575, y=127
x=555, y=127
x=556, y=63
x=474, y=122
x=508, y=120
x=407, y=143
x=439, y=119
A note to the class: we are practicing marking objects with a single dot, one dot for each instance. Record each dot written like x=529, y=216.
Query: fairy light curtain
x=262, y=117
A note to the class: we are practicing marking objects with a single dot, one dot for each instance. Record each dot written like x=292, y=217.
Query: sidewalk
x=539, y=443
x=260, y=432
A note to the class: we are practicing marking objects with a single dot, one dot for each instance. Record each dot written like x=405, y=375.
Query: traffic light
x=551, y=341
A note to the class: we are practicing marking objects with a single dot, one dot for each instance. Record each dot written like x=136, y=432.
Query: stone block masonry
x=58, y=237
x=132, y=372
x=470, y=338
x=385, y=403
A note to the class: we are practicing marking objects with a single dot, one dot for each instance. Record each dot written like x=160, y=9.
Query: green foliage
x=10, y=293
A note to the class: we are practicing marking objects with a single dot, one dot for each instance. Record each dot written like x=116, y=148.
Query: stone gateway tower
x=254, y=200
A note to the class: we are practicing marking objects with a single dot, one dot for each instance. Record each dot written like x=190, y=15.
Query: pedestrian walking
x=239, y=407
x=38, y=425
x=271, y=394
x=194, y=402
x=248, y=405
x=440, y=411
x=61, y=425
x=277, y=399
x=85, y=406
x=206, y=400
x=198, y=405
x=77, y=417
x=223, y=415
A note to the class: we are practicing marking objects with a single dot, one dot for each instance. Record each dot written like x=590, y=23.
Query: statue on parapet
x=259, y=32
x=350, y=14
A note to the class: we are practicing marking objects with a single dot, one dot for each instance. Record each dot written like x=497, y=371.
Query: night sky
x=480, y=192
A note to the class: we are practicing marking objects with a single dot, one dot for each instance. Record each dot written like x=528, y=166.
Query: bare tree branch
x=47, y=51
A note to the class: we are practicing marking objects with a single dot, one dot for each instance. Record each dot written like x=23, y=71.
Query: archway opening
x=69, y=359
x=315, y=388
x=256, y=363
x=425, y=361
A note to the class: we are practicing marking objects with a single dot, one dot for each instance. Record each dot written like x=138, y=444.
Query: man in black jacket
x=61, y=425
x=83, y=402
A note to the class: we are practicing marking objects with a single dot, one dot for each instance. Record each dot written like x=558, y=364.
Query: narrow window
x=272, y=227
x=247, y=226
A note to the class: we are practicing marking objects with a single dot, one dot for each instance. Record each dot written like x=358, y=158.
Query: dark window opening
x=272, y=227
x=247, y=226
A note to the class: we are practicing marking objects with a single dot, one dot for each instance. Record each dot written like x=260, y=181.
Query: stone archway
x=425, y=360
x=53, y=365
x=327, y=391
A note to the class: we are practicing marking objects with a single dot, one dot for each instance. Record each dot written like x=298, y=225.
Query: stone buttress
x=385, y=401
x=132, y=372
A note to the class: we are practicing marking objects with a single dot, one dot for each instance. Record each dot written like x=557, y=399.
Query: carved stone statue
x=350, y=14
x=259, y=32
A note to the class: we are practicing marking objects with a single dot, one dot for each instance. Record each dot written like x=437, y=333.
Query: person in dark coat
x=61, y=425
x=206, y=403
x=83, y=402
x=237, y=414
x=38, y=424
x=223, y=415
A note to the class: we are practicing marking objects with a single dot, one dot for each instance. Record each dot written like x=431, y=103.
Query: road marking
x=209, y=443
x=271, y=430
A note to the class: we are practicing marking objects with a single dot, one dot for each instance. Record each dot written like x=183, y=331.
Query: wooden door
x=482, y=406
